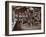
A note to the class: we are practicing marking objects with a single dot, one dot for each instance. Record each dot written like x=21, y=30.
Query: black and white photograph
x=25, y=18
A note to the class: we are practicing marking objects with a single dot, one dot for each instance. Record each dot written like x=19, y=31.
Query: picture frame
x=12, y=11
